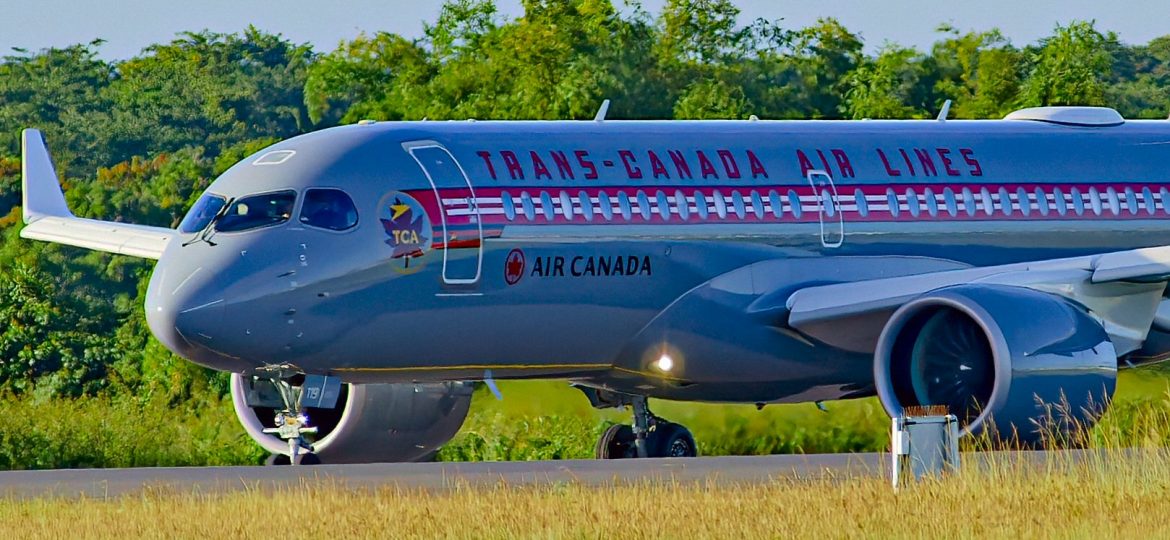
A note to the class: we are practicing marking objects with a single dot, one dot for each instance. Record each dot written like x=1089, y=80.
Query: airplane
x=358, y=280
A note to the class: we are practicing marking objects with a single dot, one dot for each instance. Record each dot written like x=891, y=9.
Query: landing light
x=664, y=363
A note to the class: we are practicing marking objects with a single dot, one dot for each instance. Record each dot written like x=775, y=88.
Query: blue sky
x=130, y=25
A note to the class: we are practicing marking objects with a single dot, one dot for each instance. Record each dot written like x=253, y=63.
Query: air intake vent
x=1070, y=116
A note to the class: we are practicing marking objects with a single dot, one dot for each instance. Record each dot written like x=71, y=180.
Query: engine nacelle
x=371, y=423
x=1010, y=360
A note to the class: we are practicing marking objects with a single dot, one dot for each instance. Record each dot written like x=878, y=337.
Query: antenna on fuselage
x=946, y=110
x=601, y=111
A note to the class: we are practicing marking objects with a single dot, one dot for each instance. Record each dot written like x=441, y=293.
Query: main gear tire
x=617, y=442
x=668, y=439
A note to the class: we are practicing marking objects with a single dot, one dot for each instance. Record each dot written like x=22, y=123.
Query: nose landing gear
x=291, y=422
x=649, y=436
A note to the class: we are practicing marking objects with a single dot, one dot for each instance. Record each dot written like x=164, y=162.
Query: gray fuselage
x=588, y=250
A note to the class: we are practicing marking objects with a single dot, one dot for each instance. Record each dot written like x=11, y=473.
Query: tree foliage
x=138, y=140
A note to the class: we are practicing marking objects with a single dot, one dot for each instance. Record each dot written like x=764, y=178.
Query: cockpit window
x=328, y=209
x=257, y=211
x=202, y=213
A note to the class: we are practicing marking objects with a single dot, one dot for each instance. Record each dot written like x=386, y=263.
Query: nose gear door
x=828, y=208
x=462, y=240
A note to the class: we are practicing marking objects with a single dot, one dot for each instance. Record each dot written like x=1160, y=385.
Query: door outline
x=838, y=228
x=410, y=147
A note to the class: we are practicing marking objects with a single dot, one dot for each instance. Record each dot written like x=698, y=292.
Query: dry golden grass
x=1099, y=498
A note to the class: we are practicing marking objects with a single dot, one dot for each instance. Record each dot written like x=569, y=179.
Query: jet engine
x=371, y=422
x=1016, y=363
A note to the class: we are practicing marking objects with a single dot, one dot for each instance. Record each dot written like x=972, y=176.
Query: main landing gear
x=649, y=436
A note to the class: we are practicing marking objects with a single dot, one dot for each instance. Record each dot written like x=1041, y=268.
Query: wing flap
x=1147, y=264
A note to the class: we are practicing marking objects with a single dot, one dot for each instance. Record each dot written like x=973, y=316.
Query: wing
x=1123, y=289
x=47, y=217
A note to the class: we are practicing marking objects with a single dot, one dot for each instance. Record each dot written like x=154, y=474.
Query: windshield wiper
x=205, y=233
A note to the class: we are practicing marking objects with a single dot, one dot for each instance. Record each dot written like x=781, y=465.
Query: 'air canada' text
x=585, y=266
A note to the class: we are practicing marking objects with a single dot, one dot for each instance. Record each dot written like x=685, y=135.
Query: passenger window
x=931, y=202
x=777, y=204
x=1113, y=201
x=546, y=206
x=794, y=204
x=701, y=205
x=1041, y=201
x=644, y=205
x=737, y=204
x=606, y=205
x=720, y=205
x=328, y=209
x=952, y=204
x=1095, y=200
x=826, y=203
x=257, y=211
x=1078, y=202
x=624, y=205
x=586, y=205
x=663, y=205
x=509, y=205
x=988, y=204
x=1061, y=202
x=892, y=202
x=528, y=205
x=859, y=199
x=680, y=200
x=566, y=205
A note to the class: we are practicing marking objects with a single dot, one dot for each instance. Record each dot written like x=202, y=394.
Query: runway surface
x=439, y=476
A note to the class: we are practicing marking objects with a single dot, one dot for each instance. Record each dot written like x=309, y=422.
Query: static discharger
x=924, y=441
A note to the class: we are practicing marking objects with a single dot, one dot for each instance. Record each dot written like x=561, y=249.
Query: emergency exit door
x=462, y=241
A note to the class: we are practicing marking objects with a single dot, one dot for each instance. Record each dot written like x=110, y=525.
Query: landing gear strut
x=649, y=436
x=292, y=424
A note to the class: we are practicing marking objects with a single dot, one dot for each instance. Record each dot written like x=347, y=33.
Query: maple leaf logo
x=406, y=231
x=514, y=267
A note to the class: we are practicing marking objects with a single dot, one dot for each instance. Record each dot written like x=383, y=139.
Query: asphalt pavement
x=441, y=476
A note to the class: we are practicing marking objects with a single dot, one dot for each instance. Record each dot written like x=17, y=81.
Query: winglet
x=41, y=189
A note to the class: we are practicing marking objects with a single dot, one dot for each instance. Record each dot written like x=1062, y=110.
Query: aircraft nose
x=180, y=315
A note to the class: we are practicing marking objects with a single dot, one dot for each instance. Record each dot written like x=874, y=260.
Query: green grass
x=550, y=420
x=120, y=432
x=536, y=420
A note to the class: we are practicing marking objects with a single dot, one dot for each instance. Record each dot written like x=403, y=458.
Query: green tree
x=361, y=79
x=1070, y=67
x=50, y=338
x=980, y=71
x=887, y=86
x=59, y=91
x=206, y=89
